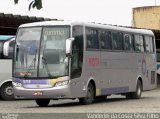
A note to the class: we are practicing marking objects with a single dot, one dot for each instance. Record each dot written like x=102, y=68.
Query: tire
x=137, y=94
x=42, y=102
x=7, y=91
x=101, y=98
x=89, y=97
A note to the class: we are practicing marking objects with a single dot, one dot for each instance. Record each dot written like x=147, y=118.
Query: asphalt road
x=149, y=103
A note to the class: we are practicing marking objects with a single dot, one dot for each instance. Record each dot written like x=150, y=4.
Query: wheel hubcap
x=9, y=90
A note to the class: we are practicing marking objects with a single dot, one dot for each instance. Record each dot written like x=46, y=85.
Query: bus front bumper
x=59, y=92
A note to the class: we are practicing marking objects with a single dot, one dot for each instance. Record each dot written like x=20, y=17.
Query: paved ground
x=150, y=102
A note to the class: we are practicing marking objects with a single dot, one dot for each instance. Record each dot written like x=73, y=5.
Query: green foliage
x=33, y=4
x=15, y=1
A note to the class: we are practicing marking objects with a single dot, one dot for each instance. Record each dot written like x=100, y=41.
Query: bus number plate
x=38, y=93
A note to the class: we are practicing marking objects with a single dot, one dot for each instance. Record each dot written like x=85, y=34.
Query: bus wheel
x=7, y=91
x=101, y=98
x=42, y=102
x=137, y=94
x=89, y=97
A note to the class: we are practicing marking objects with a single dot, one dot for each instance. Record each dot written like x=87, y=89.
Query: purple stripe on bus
x=29, y=81
x=114, y=90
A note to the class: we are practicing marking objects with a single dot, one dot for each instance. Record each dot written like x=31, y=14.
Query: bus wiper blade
x=46, y=67
x=30, y=67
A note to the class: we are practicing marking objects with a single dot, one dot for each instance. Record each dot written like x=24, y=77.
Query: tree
x=33, y=4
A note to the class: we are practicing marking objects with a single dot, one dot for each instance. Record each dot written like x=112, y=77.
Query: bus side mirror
x=8, y=48
x=69, y=43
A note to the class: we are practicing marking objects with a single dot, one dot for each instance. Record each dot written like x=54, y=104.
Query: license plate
x=38, y=93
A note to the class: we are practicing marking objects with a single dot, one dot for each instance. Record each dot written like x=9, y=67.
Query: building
x=9, y=22
x=149, y=17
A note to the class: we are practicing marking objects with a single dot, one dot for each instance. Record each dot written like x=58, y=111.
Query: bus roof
x=5, y=37
x=94, y=25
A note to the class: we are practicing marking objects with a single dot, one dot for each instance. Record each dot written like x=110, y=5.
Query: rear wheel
x=7, y=91
x=42, y=102
x=101, y=98
x=89, y=97
x=137, y=94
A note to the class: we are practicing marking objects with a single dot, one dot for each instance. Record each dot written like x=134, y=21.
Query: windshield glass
x=40, y=52
x=53, y=60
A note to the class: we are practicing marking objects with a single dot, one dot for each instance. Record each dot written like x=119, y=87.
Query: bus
x=6, y=55
x=85, y=61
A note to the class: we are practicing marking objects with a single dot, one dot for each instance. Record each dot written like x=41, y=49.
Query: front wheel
x=89, y=97
x=42, y=102
x=7, y=91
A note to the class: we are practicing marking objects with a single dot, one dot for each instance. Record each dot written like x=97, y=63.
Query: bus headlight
x=61, y=83
x=17, y=84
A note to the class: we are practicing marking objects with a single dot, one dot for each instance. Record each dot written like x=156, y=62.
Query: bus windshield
x=40, y=52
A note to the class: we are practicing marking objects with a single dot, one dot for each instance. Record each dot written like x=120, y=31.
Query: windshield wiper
x=46, y=67
x=30, y=66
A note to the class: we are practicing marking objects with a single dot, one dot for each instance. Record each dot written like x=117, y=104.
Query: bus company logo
x=10, y=116
x=94, y=61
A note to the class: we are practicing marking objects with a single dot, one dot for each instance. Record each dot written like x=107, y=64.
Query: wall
x=147, y=17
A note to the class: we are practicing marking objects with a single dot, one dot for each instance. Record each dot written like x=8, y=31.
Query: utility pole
x=155, y=2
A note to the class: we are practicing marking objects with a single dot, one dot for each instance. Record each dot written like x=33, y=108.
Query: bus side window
x=77, y=52
x=102, y=39
x=141, y=38
x=105, y=40
x=151, y=44
x=132, y=43
x=10, y=50
x=92, y=38
x=127, y=46
x=139, y=43
x=128, y=42
x=108, y=40
x=1, y=50
x=117, y=40
x=147, y=44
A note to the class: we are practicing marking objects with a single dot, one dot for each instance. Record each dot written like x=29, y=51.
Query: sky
x=117, y=12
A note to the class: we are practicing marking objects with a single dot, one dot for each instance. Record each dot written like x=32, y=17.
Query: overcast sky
x=118, y=12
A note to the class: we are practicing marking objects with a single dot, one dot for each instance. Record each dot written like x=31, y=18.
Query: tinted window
x=141, y=41
x=147, y=44
x=92, y=39
x=128, y=42
x=117, y=41
x=151, y=44
x=139, y=44
x=106, y=41
x=158, y=56
x=77, y=52
x=1, y=50
x=102, y=40
x=10, y=50
x=127, y=39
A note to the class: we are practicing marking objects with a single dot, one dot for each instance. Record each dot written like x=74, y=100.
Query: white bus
x=6, y=54
x=62, y=59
